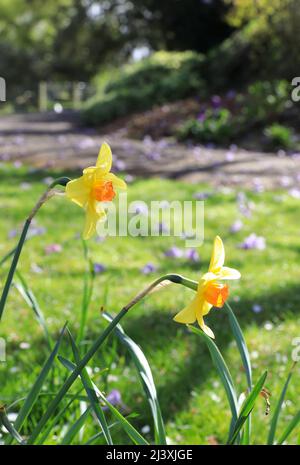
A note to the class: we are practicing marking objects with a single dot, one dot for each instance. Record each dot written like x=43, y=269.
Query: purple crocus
x=148, y=268
x=99, y=268
x=192, y=255
x=254, y=242
x=53, y=248
x=216, y=102
x=174, y=252
x=114, y=397
x=256, y=308
x=236, y=226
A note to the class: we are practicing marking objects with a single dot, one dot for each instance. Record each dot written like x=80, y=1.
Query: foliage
x=214, y=126
x=257, y=108
x=163, y=77
x=279, y=136
x=264, y=46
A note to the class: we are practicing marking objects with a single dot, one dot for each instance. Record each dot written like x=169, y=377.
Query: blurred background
x=197, y=101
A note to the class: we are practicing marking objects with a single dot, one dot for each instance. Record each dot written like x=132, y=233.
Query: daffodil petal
x=90, y=170
x=117, y=182
x=91, y=219
x=229, y=273
x=188, y=314
x=205, y=307
x=206, y=329
x=218, y=256
x=78, y=191
x=104, y=160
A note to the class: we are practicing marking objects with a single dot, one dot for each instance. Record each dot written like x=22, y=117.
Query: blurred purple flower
x=230, y=156
x=202, y=195
x=114, y=397
x=201, y=116
x=99, y=268
x=174, y=252
x=192, y=255
x=254, y=242
x=119, y=165
x=236, y=226
x=258, y=187
x=53, y=248
x=36, y=231
x=148, y=268
x=140, y=208
x=231, y=94
x=86, y=143
x=295, y=193
x=285, y=181
x=12, y=233
x=256, y=308
x=161, y=228
x=216, y=101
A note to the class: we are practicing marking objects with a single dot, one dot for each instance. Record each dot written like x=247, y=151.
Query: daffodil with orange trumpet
x=211, y=292
x=96, y=185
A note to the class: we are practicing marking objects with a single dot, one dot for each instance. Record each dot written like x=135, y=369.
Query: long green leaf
x=241, y=343
x=90, y=391
x=38, y=384
x=291, y=426
x=146, y=378
x=130, y=430
x=60, y=415
x=88, y=281
x=223, y=371
x=31, y=301
x=13, y=266
x=76, y=427
x=244, y=353
x=277, y=410
x=247, y=407
x=10, y=427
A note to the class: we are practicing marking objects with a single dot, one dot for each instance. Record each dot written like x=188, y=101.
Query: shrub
x=211, y=126
x=161, y=78
x=278, y=136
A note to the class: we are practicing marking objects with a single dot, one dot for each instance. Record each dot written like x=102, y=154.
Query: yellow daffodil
x=210, y=292
x=96, y=185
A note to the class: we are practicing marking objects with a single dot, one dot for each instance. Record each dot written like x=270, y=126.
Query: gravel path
x=57, y=141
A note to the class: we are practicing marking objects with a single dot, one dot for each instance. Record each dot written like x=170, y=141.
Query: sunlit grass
x=192, y=400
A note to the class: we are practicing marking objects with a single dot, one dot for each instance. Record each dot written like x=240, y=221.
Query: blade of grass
x=145, y=374
x=89, y=389
x=34, y=392
x=244, y=353
x=278, y=407
x=130, y=430
x=10, y=427
x=291, y=426
x=60, y=415
x=241, y=343
x=76, y=427
x=31, y=301
x=223, y=371
x=88, y=281
x=247, y=407
x=13, y=266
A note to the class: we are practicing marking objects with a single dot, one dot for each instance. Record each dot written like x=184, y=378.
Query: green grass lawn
x=192, y=399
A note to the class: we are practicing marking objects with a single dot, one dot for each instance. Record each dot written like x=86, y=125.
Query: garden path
x=58, y=141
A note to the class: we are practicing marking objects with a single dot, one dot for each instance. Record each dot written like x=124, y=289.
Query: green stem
x=13, y=266
x=47, y=194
